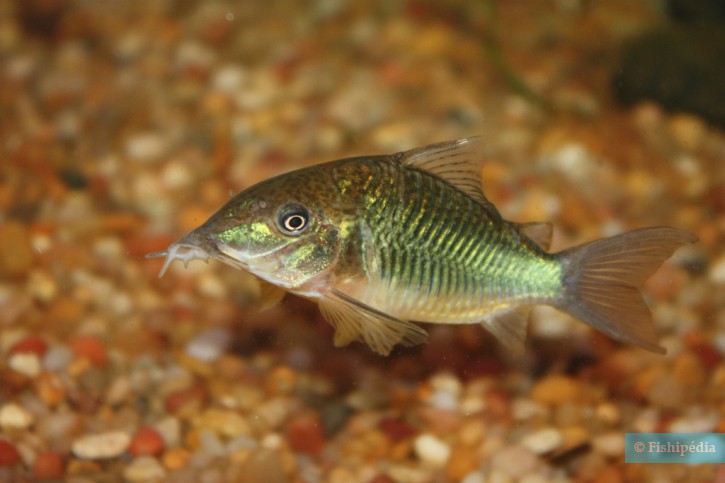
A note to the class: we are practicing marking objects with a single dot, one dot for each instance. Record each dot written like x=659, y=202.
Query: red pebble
x=91, y=348
x=305, y=435
x=176, y=400
x=147, y=441
x=48, y=465
x=9, y=455
x=396, y=430
x=31, y=344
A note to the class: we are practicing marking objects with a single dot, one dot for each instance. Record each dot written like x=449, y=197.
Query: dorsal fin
x=457, y=162
x=540, y=233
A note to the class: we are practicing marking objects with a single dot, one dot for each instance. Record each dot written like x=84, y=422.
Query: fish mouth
x=194, y=246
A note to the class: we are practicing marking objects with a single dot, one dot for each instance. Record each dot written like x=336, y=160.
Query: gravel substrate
x=123, y=125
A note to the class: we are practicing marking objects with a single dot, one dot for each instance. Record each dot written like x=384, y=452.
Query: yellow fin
x=354, y=320
x=510, y=329
x=269, y=295
x=540, y=233
x=457, y=162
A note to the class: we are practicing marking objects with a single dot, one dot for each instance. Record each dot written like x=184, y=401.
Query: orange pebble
x=48, y=465
x=147, y=441
x=91, y=348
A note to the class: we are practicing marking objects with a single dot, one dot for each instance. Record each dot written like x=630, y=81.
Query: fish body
x=380, y=241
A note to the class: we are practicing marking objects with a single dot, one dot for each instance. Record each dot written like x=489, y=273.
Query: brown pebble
x=16, y=256
x=48, y=465
x=9, y=455
x=177, y=400
x=305, y=434
x=264, y=466
x=555, y=390
x=463, y=461
x=147, y=441
x=396, y=429
x=90, y=348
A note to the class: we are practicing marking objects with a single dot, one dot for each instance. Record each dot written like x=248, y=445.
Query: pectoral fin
x=269, y=295
x=510, y=329
x=354, y=320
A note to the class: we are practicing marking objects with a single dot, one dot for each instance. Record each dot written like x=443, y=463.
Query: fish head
x=282, y=230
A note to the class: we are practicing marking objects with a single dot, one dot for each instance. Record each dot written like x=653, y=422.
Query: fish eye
x=293, y=219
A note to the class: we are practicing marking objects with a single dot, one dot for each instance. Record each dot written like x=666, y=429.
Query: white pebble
x=543, y=441
x=695, y=423
x=146, y=147
x=514, y=460
x=609, y=444
x=209, y=345
x=431, y=450
x=474, y=477
x=25, y=363
x=524, y=409
x=144, y=469
x=717, y=270
x=101, y=446
x=14, y=416
x=170, y=430
x=228, y=78
x=57, y=358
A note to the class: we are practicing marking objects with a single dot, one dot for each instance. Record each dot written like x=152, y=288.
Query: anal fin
x=510, y=329
x=354, y=320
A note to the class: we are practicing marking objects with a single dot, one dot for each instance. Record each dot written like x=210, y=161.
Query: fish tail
x=603, y=280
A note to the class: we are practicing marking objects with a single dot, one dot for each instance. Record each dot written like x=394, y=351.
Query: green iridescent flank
x=469, y=254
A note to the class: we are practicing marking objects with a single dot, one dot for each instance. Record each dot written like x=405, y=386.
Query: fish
x=384, y=242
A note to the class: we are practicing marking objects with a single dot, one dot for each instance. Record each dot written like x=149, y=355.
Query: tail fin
x=602, y=281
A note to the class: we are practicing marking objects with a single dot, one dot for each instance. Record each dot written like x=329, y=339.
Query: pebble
x=697, y=422
x=14, y=416
x=717, y=270
x=226, y=422
x=209, y=345
x=543, y=440
x=42, y=287
x=609, y=444
x=26, y=363
x=304, y=434
x=146, y=441
x=146, y=147
x=48, y=465
x=101, y=446
x=9, y=454
x=57, y=358
x=31, y=344
x=170, y=430
x=514, y=461
x=50, y=388
x=175, y=458
x=144, y=469
x=264, y=466
x=555, y=390
x=90, y=348
x=16, y=256
x=431, y=450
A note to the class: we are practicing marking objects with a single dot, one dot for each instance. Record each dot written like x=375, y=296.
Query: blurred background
x=124, y=125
